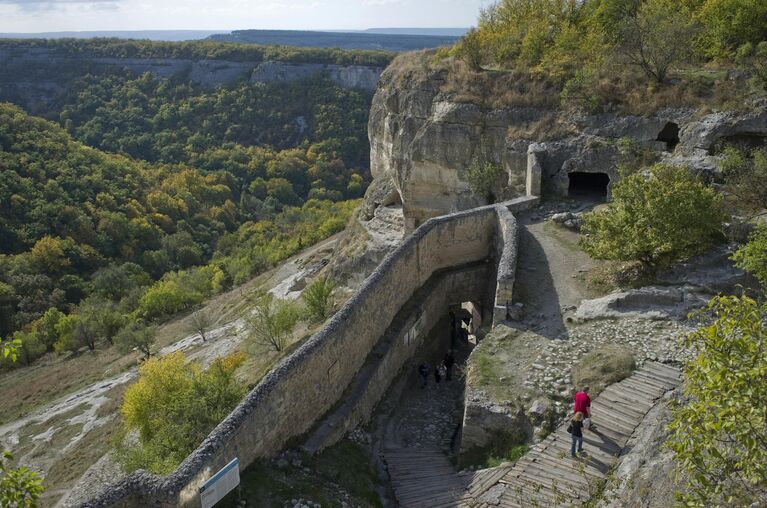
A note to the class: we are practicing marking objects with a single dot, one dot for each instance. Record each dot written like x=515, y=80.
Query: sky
x=225, y=15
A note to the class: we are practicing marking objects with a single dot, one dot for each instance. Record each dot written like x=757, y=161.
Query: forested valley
x=139, y=197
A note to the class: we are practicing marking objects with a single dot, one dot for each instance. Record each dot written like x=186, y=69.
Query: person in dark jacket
x=437, y=373
x=449, y=361
x=424, y=369
x=576, y=432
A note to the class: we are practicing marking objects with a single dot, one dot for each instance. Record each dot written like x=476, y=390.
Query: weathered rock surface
x=644, y=476
x=424, y=136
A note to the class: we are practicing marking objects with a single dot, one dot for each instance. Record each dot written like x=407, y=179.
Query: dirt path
x=548, y=282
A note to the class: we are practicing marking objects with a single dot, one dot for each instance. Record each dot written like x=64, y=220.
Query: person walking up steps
x=576, y=432
x=582, y=403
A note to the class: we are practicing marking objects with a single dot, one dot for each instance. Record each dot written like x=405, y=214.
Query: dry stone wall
x=307, y=384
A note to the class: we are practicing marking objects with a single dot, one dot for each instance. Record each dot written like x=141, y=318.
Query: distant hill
x=450, y=32
x=344, y=40
x=153, y=35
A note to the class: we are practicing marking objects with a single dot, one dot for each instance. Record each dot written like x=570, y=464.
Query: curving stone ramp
x=546, y=475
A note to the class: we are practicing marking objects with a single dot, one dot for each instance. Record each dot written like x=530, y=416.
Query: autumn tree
x=173, y=406
x=718, y=433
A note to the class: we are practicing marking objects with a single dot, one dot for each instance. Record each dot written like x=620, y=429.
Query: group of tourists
x=443, y=370
x=581, y=420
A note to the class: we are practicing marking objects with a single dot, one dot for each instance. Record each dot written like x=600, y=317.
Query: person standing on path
x=449, y=361
x=438, y=373
x=576, y=433
x=424, y=369
x=582, y=402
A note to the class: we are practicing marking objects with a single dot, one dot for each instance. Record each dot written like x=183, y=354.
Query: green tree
x=45, y=327
x=136, y=336
x=718, y=434
x=656, y=220
x=470, y=49
x=173, y=406
x=318, y=299
x=9, y=348
x=752, y=257
x=201, y=322
x=656, y=37
x=730, y=23
x=272, y=322
x=482, y=176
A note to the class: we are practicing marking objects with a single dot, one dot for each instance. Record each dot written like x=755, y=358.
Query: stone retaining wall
x=307, y=384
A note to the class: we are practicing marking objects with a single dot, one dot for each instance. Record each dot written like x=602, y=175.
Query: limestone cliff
x=36, y=74
x=428, y=122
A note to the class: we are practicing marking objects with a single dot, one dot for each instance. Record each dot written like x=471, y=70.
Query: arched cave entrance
x=670, y=136
x=592, y=186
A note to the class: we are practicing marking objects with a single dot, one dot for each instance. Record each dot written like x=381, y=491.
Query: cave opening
x=669, y=135
x=591, y=186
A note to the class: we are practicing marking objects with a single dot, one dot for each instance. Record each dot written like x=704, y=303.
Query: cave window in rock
x=670, y=136
x=592, y=186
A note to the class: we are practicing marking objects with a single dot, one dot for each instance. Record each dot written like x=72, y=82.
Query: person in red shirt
x=582, y=402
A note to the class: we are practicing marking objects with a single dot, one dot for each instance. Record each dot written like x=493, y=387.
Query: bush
x=318, y=299
x=718, y=436
x=745, y=174
x=272, y=322
x=173, y=406
x=136, y=336
x=658, y=219
x=752, y=257
x=482, y=176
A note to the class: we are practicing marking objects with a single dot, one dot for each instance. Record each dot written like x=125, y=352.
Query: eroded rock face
x=423, y=137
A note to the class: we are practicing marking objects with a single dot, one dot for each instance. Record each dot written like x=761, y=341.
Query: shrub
x=318, y=299
x=752, y=257
x=173, y=406
x=272, y=322
x=718, y=435
x=745, y=174
x=655, y=219
x=482, y=176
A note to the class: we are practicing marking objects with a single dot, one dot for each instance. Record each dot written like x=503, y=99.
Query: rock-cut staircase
x=546, y=475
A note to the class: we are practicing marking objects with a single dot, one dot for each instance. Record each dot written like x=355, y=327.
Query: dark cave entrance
x=670, y=136
x=592, y=186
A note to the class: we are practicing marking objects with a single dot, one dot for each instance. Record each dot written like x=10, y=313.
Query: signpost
x=220, y=484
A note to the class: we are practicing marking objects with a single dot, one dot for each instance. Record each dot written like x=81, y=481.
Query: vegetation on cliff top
x=81, y=49
x=634, y=56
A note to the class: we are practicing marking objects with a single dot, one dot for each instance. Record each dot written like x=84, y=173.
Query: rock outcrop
x=425, y=131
